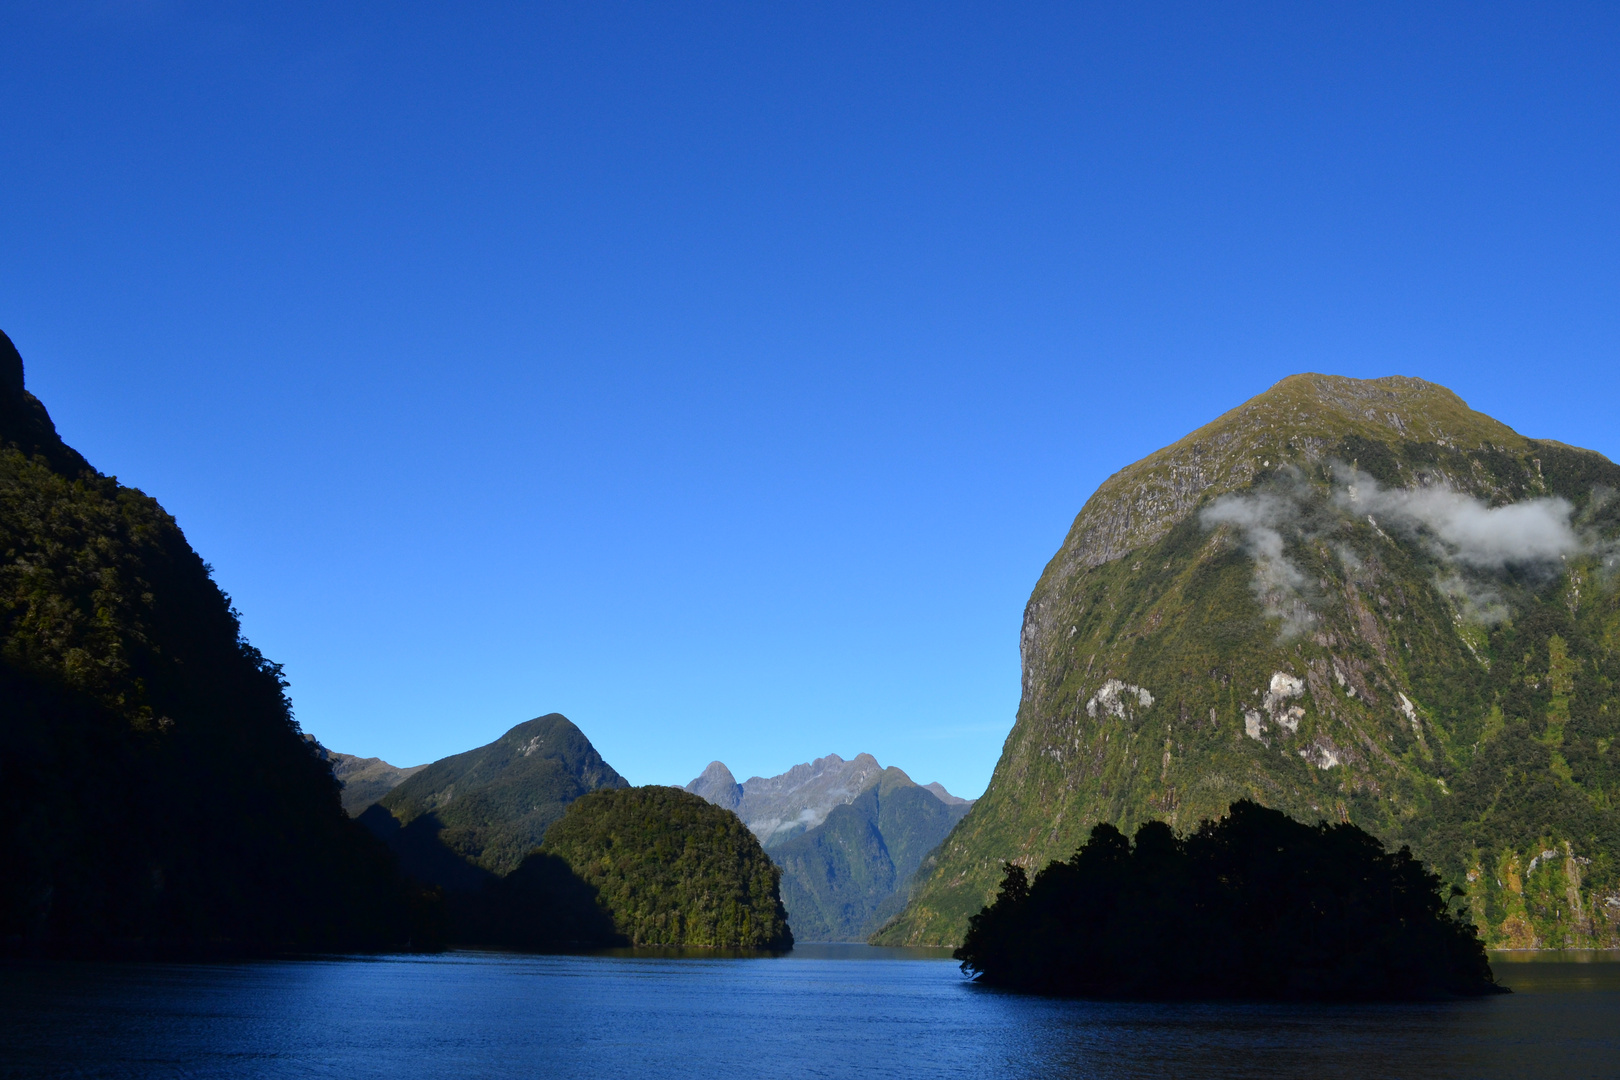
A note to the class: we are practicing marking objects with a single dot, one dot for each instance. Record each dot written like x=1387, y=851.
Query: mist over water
x=813, y=1013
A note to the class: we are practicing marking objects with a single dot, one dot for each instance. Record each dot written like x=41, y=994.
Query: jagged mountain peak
x=849, y=836
x=717, y=785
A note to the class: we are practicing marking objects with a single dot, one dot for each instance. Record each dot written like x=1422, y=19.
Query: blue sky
x=723, y=376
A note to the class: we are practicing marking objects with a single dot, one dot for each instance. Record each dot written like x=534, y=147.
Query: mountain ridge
x=490, y=806
x=365, y=780
x=848, y=836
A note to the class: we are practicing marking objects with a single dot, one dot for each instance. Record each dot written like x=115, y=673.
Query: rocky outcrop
x=777, y=808
x=716, y=785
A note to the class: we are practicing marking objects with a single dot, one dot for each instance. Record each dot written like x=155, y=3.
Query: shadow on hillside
x=542, y=906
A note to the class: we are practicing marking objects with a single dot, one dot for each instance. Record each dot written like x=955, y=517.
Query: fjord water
x=821, y=1011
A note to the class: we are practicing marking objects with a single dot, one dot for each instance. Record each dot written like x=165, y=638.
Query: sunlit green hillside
x=1350, y=600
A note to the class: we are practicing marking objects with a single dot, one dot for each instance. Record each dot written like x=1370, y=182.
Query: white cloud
x=1464, y=529
x=1278, y=583
x=1471, y=538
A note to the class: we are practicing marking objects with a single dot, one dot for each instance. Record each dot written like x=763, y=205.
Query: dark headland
x=1255, y=905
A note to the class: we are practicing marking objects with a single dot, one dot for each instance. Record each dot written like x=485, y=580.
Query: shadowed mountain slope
x=1356, y=600
x=776, y=808
x=847, y=876
x=481, y=812
x=365, y=780
x=157, y=795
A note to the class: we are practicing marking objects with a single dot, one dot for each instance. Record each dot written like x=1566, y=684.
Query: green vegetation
x=542, y=906
x=1469, y=711
x=847, y=876
x=1255, y=905
x=157, y=796
x=671, y=869
x=482, y=812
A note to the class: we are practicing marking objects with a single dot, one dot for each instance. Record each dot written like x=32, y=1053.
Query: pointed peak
x=716, y=785
x=944, y=796
x=11, y=368
x=716, y=771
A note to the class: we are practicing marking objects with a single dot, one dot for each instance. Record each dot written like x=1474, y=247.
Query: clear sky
x=723, y=375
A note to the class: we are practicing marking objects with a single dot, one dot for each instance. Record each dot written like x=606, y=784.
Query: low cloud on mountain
x=1472, y=539
x=1280, y=585
x=1461, y=528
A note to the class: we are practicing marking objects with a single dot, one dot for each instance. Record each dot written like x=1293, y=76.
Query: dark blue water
x=820, y=1012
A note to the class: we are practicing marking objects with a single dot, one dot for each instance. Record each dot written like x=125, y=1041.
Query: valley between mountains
x=847, y=836
x=1348, y=600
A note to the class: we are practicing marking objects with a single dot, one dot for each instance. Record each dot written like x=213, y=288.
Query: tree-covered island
x=1255, y=905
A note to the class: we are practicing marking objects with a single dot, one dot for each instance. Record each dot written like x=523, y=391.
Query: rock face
x=848, y=835
x=776, y=808
x=1345, y=599
x=461, y=818
x=718, y=786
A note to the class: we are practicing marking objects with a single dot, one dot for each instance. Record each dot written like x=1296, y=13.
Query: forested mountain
x=155, y=794
x=671, y=869
x=843, y=879
x=1252, y=906
x=483, y=811
x=848, y=835
x=1349, y=600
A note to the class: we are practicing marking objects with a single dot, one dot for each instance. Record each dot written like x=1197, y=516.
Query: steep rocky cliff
x=1347, y=599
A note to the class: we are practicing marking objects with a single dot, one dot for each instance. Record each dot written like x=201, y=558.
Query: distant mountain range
x=848, y=835
x=366, y=779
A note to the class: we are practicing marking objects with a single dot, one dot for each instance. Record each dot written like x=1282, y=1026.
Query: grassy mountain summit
x=1352, y=600
x=489, y=807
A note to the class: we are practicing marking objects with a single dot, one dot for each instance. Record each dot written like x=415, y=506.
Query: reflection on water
x=812, y=1013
